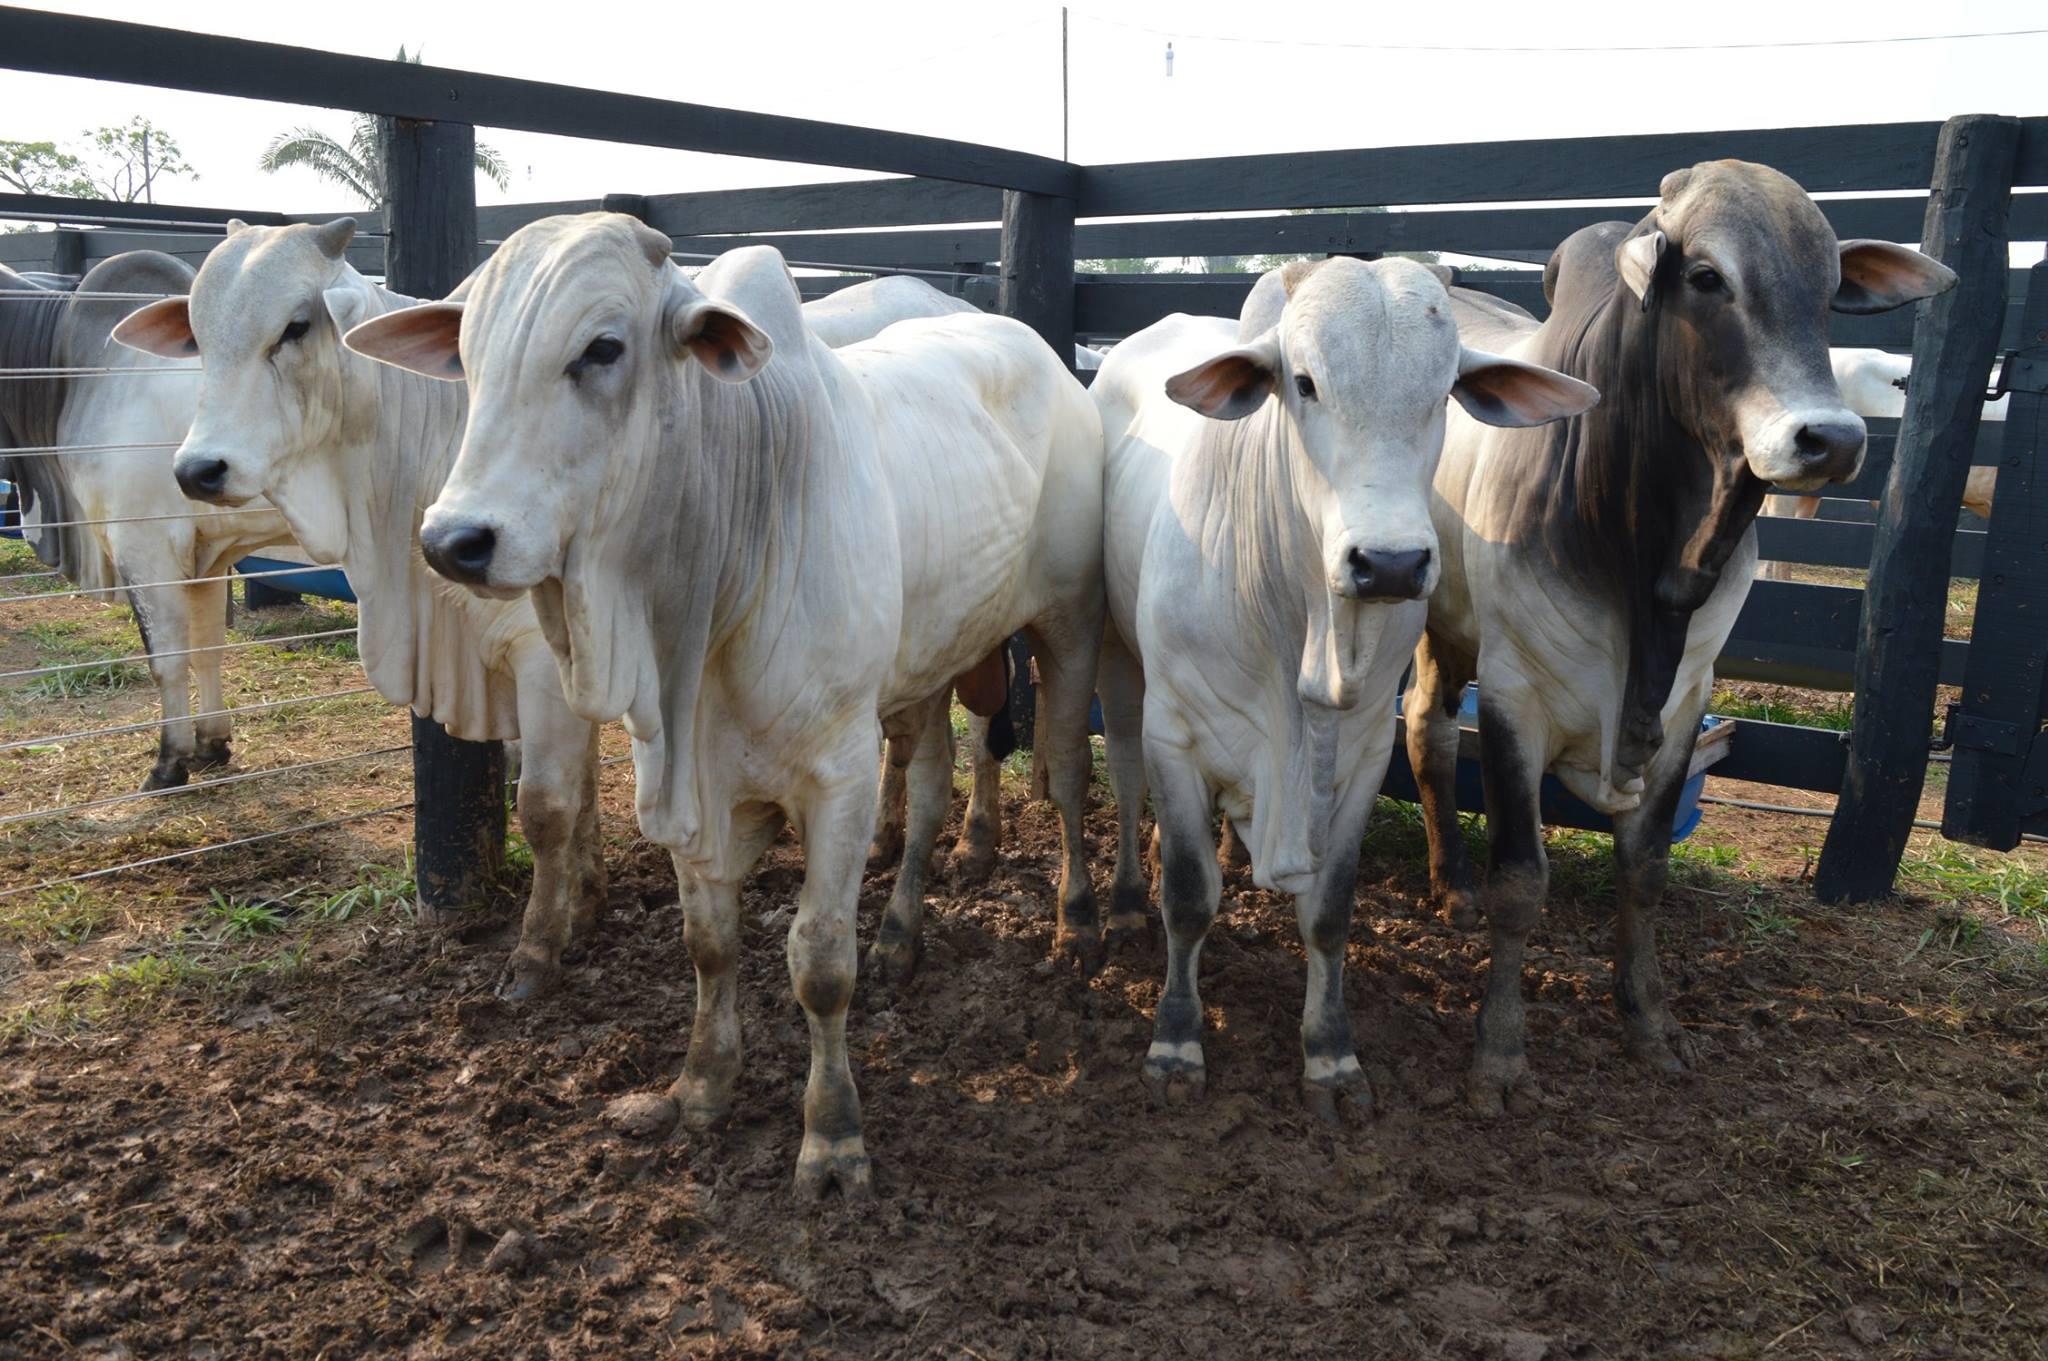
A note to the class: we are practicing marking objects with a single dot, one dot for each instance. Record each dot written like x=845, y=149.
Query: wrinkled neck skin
x=1645, y=498
x=1256, y=505
x=680, y=590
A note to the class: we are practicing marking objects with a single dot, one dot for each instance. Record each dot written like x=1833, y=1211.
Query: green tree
x=357, y=163
x=1124, y=264
x=129, y=158
x=43, y=168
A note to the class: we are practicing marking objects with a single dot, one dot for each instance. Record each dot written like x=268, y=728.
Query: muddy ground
x=367, y=1154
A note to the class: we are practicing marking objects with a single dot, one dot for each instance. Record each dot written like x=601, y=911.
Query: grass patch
x=286, y=625
x=228, y=918
x=85, y=681
x=1834, y=714
x=378, y=889
x=1955, y=875
x=67, y=913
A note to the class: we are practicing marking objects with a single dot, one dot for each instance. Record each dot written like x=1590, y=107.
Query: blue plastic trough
x=1560, y=808
x=329, y=583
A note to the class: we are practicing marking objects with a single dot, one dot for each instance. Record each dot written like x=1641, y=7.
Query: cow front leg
x=1190, y=887
x=1121, y=682
x=899, y=939
x=558, y=816
x=207, y=613
x=1642, y=853
x=1430, y=714
x=1068, y=650
x=1333, y=1084
x=974, y=855
x=823, y=956
x=1518, y=877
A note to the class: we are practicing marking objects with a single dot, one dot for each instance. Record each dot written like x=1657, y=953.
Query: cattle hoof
x=1121, y=929
x=893, y=963
x=969, y=865
x=1339, y=1103
x=167, y=775
x=644, y=1115
x=1084, y=949
x=1670, y=1050
x=1498, y=1086
x=526, y=979
x=843, y=1164
x=1175, y=1081
x=1461, y=909
x=210, y=755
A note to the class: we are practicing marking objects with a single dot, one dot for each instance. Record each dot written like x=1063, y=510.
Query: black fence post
x=1037, y=288
x=458, y=787
x=1999, y=781
x=1898, y=655
x=67, y=256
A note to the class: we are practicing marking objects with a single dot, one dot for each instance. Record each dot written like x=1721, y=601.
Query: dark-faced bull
x=1593, y=570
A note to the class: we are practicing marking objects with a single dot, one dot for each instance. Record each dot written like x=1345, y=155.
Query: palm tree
x=357, y=165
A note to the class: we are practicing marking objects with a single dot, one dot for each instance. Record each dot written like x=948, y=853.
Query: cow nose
x=1379, y=575
x=460, y=552
x=202, y=479
x=1829, y=445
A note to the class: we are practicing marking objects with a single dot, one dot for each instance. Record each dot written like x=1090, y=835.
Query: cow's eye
x=601, y=351
x=1306, y=386
x=295, y=332
x=1705, y=280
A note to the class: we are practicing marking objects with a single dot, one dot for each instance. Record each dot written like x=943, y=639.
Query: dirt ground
x=369, y=1155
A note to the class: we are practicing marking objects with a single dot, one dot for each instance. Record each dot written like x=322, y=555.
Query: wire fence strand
x=115, y=731
x=39, y=814
x=277, y=640
x=25, y=375
x=67, y=294
x=52, y=450
x=158, y=585
x=299, y=830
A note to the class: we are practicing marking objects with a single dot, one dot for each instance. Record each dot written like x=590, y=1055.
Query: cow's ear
x=1637, y=260
x=1510, y=392
x=426, y=339
x=1232, y=385
x=721, y=338
x=164, y=327
x=1878, y=276
x=346, y=305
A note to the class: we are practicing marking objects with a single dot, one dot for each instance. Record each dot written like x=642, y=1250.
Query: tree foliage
x=121, y=161
x=356, y=163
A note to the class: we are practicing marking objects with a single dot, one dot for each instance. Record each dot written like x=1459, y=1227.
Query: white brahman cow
x=352, y=452
x=748, y=545
x=1269, y=553
x=142, y=529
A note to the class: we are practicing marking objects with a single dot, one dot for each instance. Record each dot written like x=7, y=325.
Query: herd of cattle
x=768, y=535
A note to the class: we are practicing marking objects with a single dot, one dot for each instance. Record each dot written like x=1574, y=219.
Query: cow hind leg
x=1642, y=852
x=1430, y=709
x=1190, y=887
x=899, y=939
x=974, y=856
x=891, y=797
x=1333, y=1084
x=1517, y=880
x=1122, y=685
x=1068, y=653
x=207, y=610
x=558, y=816
x=167, y=638
x=823, y=956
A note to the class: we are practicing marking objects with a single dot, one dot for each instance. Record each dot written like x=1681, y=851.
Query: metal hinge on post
x=1967, y=732
x=2021, y=370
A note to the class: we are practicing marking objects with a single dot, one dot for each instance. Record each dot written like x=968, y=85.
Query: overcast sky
x=1247, y=77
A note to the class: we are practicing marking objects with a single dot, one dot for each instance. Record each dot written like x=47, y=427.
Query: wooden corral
x=1005, y=229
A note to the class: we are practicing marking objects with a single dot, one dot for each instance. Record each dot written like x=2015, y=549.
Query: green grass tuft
x=67, y=913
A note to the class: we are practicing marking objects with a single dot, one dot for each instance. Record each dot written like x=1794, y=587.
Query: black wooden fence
x=1005, y=229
